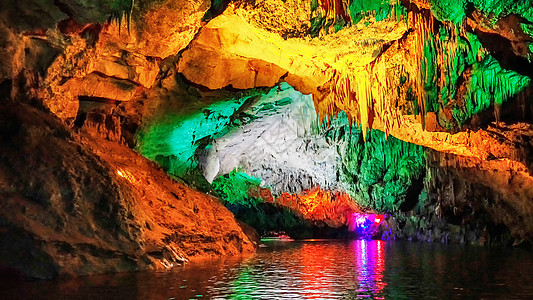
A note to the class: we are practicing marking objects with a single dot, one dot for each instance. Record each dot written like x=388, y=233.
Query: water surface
x=316, y=270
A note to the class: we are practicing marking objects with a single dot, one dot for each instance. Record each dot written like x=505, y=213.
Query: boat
x=276, y=236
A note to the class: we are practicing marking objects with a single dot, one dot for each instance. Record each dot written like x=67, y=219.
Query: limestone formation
x=75, y=205
x=297, y=113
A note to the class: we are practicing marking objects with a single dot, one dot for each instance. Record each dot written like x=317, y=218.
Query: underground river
x=316, y=269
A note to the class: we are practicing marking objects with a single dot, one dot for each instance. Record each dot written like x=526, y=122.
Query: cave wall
x=466, y=200
x=96, y=51
x=186, y=84
x=73, y=204
x=465, y=187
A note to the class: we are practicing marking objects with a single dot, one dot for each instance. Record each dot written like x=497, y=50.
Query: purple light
x=370, y=262
x=365, y=224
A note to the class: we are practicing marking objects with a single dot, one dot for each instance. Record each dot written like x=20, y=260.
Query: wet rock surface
x=74, y=204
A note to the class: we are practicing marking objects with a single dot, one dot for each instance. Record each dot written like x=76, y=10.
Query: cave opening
x=279, y=168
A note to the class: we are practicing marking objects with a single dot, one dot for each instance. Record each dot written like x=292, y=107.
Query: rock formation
x=420, y=110
x=74, y=204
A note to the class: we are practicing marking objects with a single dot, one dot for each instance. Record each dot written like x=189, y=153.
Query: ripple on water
x=316, y=270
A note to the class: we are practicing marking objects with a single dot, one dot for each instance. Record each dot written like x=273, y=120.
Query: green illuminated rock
x=455, y=10
x=377, y=172
x=234, y=188
x=486, y=82
x=173, y=139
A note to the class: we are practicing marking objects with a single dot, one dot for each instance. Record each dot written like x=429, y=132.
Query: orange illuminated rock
x=128, y=66
x=74, y=205
x=96, y=86
x=354, y=70
x=104, y=60
x=158, y=30
x=317, y=205
x=310, y=63
x=168, y=27
x=227, y=70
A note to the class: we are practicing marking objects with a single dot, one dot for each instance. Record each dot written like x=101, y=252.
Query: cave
x=265, y=149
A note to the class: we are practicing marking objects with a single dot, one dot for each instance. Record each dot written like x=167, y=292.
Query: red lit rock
x=331, y=208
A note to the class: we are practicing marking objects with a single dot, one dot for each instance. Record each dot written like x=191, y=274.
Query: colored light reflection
x=318, y=263
x=312, y=270
x=370, y=265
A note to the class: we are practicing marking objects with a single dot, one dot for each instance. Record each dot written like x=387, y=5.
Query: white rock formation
x=281, y=145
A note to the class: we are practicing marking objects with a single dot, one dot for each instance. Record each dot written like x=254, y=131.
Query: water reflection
x=316, y=270
x=370, y=263
x=313, y=270
x=319, y=266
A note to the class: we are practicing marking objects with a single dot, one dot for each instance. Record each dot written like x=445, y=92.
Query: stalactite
x=440, y=55
x=423, y=27
x=334, y=9
x=365, y=95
